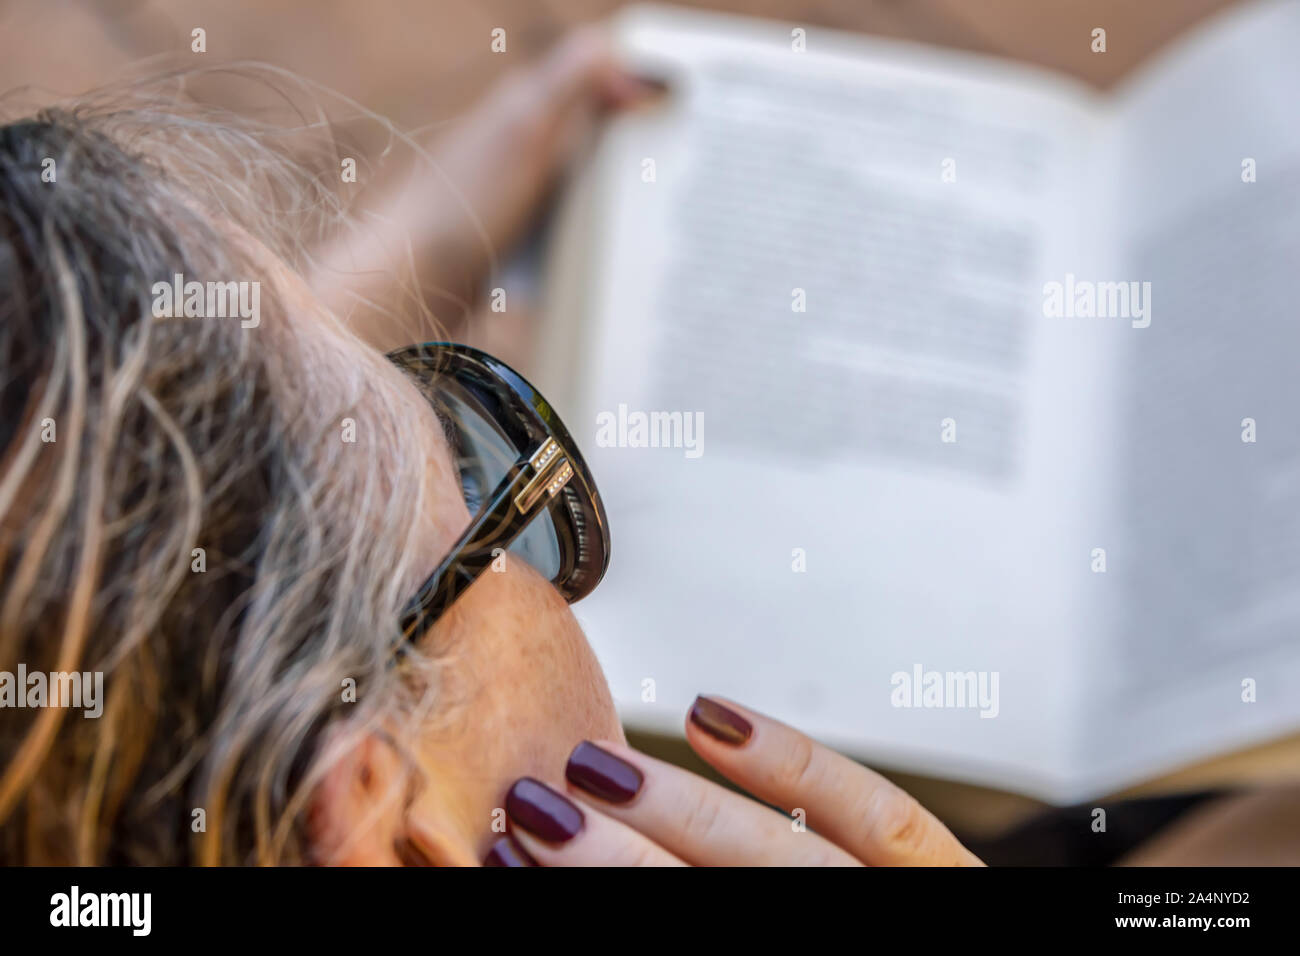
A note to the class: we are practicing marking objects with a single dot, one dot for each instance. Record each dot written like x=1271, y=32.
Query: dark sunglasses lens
x=483, y=455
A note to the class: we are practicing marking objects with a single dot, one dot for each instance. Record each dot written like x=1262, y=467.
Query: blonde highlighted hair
x=171, y=435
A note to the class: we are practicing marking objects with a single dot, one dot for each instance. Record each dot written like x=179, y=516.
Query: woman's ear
x=361, y=813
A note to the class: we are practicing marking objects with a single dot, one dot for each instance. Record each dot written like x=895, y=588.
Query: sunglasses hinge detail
x=480, y=397
x=551, y=471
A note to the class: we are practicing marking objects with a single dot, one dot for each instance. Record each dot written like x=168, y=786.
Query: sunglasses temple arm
x=491, y=533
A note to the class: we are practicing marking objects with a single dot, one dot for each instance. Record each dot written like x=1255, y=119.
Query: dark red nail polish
x=507, y=852
x=657, y=84
x=541, y=811
x=602, y=774
x=719, y=722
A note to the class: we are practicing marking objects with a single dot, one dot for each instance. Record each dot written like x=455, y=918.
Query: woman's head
x=226, y=520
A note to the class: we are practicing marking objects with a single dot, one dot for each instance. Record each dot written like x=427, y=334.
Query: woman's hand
x=454, y=211
x=626, y=809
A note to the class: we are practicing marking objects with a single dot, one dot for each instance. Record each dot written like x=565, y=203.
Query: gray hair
x=171, y=435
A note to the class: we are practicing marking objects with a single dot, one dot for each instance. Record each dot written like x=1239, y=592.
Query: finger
x=578, y=79
x=855, y=808
x=584, y=66
x=557, y=831
x=693, y=818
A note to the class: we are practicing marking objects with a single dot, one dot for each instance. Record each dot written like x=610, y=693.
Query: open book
x=977, y=450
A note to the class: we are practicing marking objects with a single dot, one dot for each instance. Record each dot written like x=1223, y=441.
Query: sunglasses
x=523, y=480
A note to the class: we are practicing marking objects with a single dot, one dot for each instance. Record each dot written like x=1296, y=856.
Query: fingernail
x=507, y=852
x=602, y=774
x=541, y=811
x=719, y=722
x=655, y=84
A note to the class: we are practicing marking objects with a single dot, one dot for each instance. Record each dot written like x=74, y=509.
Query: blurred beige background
x=420, y=61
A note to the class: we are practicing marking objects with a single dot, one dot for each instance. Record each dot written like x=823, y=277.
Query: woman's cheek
x=524, y=666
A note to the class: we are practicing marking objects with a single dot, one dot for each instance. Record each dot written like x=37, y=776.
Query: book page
x=1209, y=566
x=833, y=259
